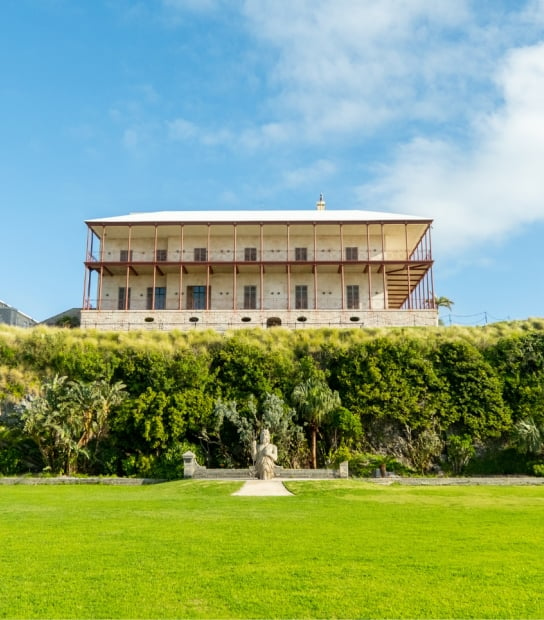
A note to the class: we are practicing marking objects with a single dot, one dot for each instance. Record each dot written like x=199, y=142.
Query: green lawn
x=343, y=549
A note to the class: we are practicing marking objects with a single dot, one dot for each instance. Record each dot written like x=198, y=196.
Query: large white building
x=229, y=269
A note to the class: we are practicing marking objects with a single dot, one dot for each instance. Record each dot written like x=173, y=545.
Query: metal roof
x=228, y=217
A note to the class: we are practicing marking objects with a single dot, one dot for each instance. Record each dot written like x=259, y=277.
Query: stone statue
x=265, y=455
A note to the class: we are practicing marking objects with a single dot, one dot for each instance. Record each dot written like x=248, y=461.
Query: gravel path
x=263, y=488
x=466, y=481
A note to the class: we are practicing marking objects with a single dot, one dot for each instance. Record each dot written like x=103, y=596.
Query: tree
x=244, y=420
x=244, y=367
x=94, y=401
x=519, y=362
x=422, y=449
x=279, y=418
x=67, y=416
x=43, y=416
x=315, y=401
x=528, y=437
x=443, y=302
x=474, y=405
x=249, y=418
x=344, y=429
x=460, y=449
x=389, y=383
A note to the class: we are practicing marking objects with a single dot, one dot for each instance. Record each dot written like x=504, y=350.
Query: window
x=201, y=254
x=125, y=256
x=301, y=253
x=123, y=298
x=352, y=253
x=250, y=254
x=196, y=298
x=250, y=297
x=352, y=296
x=161, y=255
x=301, y=297
x=160, y=298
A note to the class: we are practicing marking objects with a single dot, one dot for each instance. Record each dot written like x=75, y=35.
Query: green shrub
x=166, y=466
x=476, y=383
x=499, y=462
x=364, y=464
x=460, y=450
x=18, y=453
x=538, y=469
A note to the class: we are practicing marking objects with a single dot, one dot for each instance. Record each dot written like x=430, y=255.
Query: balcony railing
x=322, y=255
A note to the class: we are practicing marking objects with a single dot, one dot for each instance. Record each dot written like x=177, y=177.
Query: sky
x=424, y=107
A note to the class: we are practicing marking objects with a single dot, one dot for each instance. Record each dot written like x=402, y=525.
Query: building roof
x=308, y=215
x=9, y=311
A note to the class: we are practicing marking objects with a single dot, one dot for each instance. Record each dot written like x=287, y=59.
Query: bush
x=18, y=453
x=364, y=464
x=166, y=466
x=473, y=383
x=538, y=469
x=460, y=449
x=499, y=462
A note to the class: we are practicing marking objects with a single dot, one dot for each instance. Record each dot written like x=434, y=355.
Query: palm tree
x=95, y=401
x=67, y=416
x=528, y=437
x=443, y=302
x=42, y=417
x=315, y=400
x=92, y=403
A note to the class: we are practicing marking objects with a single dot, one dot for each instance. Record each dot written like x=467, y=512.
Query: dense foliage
x=408, y=399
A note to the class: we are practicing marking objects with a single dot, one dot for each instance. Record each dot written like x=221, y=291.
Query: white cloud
x=140, y=138
x=490, y=188
x=181, y=129
x=348, y=67
x=345, y=69
x=534, y=12
x=217, y=137
x=342, y=70
x=266, y=135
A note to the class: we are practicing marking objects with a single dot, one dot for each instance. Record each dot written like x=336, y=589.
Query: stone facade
x=224, y=320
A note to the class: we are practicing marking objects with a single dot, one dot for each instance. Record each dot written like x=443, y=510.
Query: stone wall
x=76, y=480
x=192, y=469
x=221, y=320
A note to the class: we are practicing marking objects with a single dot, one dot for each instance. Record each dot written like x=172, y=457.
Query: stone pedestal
x=189, y=464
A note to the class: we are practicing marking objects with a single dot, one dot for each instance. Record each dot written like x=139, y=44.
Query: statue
x=265, y=455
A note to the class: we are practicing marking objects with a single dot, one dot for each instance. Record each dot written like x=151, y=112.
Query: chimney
x=320, y=204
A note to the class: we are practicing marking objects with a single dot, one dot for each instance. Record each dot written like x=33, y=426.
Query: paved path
x=263, y=488
x=463, y=481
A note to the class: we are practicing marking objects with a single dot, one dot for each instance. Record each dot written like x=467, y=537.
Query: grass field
x=343, y=549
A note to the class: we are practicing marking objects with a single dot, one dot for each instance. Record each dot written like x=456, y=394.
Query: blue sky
x=412, y=106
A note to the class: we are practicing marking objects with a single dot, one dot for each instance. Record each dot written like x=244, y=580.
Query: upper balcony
x=255, y=255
